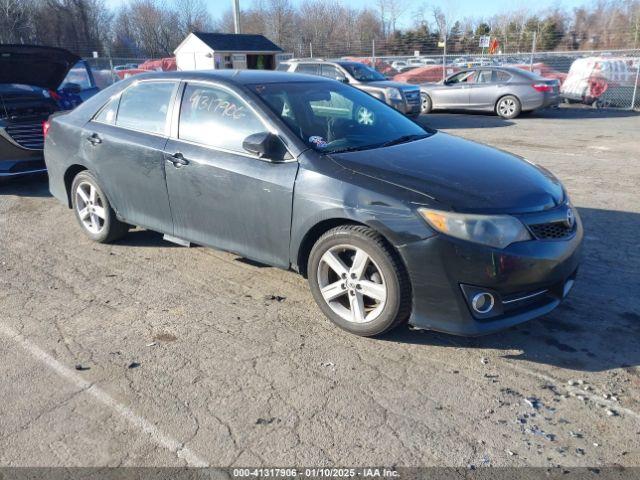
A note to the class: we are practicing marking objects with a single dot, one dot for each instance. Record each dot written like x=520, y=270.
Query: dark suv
x=402, y=97
x=32, y=87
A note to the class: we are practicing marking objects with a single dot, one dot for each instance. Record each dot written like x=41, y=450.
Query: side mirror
x=264, y=145
x=70, y=87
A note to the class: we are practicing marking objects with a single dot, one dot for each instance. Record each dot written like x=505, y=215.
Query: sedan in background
x=507, y=91
x=391, y=222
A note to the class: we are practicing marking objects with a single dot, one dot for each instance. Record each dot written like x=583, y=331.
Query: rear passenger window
x=502, y=76
x=108, y=112
x=216, y=117
x=145, y=106
x=484, y=76
x=308, y=68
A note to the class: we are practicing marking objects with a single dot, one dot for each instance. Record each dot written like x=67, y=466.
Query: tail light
x=542, y=87
x=55, y=95
x=45, y=128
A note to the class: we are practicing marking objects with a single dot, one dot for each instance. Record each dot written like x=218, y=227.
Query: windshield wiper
x=404, y=139
x=352, y=149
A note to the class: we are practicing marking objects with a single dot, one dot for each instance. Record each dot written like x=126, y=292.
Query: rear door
x=124, y=145
x=484, y=90
x=220, y=194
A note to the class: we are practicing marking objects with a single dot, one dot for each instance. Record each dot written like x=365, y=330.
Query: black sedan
x=390, y=221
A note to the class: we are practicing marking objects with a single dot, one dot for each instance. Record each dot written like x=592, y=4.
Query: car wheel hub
x=90, y=207
x=352, y=284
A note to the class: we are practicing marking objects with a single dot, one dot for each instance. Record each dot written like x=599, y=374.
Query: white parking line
x=159, y=438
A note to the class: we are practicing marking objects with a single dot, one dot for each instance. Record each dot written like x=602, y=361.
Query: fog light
x=483, y=302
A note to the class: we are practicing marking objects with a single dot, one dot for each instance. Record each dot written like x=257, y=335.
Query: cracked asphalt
x=143, y=353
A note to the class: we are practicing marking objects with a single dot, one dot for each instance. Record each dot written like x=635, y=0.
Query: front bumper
x=528, y=280
x=406, y=107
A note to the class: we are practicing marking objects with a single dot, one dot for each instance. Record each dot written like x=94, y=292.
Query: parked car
x=506, y=91
x=390, y=221
x=35, y=82
x=589, y=78
x=404, y=98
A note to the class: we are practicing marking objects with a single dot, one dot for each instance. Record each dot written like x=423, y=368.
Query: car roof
x=237, y=77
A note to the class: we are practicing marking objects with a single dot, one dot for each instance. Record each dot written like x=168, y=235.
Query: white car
x=589, y=77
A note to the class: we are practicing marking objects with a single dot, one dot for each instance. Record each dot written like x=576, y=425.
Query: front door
x=125, y=144
x=221, y=195
x=454, y=93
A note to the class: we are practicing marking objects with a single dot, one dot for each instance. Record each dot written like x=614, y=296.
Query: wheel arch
x=320, y=228
x=69, y=175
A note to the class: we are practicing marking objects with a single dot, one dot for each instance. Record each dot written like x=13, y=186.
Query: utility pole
x=373, y=53
x=236, y=16
x=533, y=50
x=444, y=57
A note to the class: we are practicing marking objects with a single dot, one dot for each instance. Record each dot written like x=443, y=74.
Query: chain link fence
x=601, y=78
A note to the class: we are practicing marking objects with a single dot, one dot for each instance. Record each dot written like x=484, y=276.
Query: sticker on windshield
x=365, y=117
x=318, y=141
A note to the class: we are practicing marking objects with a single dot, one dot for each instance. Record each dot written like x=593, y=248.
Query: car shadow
x=28, y=186
x=596, y=328
x=145, y=238
x=451, y=120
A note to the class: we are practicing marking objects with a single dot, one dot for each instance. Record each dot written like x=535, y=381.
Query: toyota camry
x=390, y=221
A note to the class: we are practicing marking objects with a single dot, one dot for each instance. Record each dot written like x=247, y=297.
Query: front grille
x=552, y=231
x=413, y=97
x=27, y=135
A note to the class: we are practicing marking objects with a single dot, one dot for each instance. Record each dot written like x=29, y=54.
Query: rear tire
x=359, y=280
x=93, y=211
x=426, y=105
x=508, y=107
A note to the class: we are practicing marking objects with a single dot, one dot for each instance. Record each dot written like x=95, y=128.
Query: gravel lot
x=145, y=353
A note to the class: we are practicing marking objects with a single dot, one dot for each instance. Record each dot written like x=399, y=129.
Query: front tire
x=93, y=211
x=359, y=281
x=508, y=107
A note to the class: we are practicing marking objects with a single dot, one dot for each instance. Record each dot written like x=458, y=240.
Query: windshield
x=331, y=117
x=362, y=72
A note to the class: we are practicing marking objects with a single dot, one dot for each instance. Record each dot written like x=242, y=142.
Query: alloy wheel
x=90, y=207
x=352, y=284
x=507, y=107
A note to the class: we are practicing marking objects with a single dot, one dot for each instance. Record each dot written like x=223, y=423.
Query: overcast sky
x=459, y=8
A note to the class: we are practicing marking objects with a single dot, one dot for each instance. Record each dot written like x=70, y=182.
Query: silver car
x=507, y=91
x=401, y=96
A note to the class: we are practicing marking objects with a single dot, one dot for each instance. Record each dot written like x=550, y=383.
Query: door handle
x=94, y=139
x=177, y=159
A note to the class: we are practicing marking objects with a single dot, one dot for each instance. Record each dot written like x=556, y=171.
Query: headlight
x=494, y=230
x=393, y=93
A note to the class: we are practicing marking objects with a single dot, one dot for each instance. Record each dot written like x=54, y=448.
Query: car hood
x=466, y=176
x=43, y=67
x=391, y=83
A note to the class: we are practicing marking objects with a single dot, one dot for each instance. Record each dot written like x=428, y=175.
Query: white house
x=206, y=51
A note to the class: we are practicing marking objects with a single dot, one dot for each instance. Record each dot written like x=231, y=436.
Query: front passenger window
x=216, y=117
